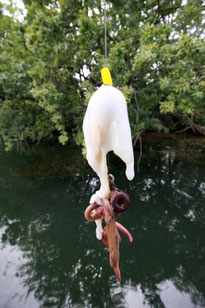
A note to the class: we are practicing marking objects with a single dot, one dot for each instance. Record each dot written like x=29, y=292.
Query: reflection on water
x=49, y=256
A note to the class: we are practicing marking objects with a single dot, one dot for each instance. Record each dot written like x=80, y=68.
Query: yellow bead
x=106, y=76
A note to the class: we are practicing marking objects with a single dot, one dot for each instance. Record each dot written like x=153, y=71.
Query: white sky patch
x=90, y=13
x=96, y=10
x=86, y=70
x=21, y=10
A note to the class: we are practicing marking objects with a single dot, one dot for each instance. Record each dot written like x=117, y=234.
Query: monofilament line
x=105, y=25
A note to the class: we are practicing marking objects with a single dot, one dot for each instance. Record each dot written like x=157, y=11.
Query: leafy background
x=50, y=65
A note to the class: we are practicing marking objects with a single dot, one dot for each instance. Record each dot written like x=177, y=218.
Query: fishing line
x=105, y=29
x=105, y=26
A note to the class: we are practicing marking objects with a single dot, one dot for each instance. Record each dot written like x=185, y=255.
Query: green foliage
x=50, y=65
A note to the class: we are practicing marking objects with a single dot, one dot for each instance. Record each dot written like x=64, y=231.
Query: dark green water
x=49, y=256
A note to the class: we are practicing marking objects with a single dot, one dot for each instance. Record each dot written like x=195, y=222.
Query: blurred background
x=52, y=53
x=50, y=61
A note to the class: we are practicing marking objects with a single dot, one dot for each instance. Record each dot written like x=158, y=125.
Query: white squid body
x=106, y=128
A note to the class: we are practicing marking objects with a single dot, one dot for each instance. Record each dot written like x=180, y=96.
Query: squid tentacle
x=125, y=231
x=93, y=212
x=117, y=271
x=110, y=236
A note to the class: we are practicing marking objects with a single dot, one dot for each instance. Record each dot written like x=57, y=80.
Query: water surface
x=49, y=256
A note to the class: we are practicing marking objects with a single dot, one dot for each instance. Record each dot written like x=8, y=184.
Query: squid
x=106, y=128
